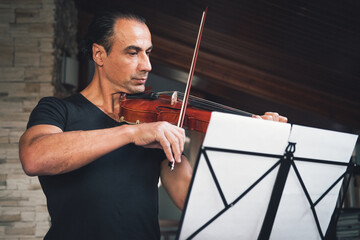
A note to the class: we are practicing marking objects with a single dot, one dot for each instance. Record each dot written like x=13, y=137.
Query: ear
x=98, y=54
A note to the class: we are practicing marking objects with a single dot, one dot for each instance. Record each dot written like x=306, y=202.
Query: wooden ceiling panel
x=301, y=56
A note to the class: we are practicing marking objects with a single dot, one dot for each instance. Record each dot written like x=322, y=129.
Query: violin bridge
x=174, y=98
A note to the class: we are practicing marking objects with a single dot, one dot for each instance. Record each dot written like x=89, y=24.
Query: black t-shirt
x=115, y=196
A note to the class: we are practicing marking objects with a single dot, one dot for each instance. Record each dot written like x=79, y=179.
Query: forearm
x=60, y=152
x=177, y=182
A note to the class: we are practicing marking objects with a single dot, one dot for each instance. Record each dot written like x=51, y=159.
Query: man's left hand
x=272, y=116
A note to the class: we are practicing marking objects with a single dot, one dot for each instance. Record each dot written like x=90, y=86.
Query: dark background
x=299, y=58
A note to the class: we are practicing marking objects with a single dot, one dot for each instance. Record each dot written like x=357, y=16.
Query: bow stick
x=190, y=77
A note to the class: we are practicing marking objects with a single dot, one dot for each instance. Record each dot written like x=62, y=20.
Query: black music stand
x=287, y=190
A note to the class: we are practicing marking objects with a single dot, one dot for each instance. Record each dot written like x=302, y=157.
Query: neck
x=102, y=96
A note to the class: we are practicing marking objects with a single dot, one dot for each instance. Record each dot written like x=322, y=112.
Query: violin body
x=137, y=110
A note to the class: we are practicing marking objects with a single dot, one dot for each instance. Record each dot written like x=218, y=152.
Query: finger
x=267, y=117
x=283, y=119
x=182, y=138
x=166, y=146
x=179, y=133
x=175, y=143
x=256, y=116
x=275, y=115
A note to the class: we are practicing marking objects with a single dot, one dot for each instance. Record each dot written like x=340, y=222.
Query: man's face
x=128, y=64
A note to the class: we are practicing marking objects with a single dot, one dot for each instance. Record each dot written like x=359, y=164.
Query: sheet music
x=317, y=144
x=237, y=172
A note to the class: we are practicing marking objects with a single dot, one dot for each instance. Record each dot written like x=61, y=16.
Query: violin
x=166, y=106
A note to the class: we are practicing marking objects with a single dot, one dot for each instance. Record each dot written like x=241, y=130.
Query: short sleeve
x=49, y=110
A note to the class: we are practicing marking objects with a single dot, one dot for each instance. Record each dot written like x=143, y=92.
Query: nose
x=144, y=63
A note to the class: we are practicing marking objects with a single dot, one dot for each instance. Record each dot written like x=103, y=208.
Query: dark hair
x=101, y=29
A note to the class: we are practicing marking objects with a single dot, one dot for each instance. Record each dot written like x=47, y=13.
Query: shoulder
x=48, y=102
x=54, y=103
x=52, y=111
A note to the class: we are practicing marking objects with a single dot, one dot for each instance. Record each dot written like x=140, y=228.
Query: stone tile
x=7, y=15
x=3, y=179
x=28, y=216
x=42, y=216
x=11, y=87
x=32, y=238
x=8, y=203
x=48, y=15
x=42, y=228
x=19, y=30
x=21, y=184
x=29, y=105
x=12, y=151
x=27, y=45
x=41, y=29
x=32, y=87
x=41, y=209
x=46, y=89
x=49, y=2
x=17, y=209
x=38, y=74
x=7, y=53
x=4, y=134
x=4, y=139
x=47, y=45
x=12, y=124
x=39, y=200
x=15, y=135
x=10, y=217
x=26, y=59
x=11, y=106
x=11, y=168
x=14, y=115
x=27, y=15
x=21, y=229
x=47, y=60
x=29, y=4
x=5, y=4
x=12, y=74
x=4, y=31
x=35, y=187
x=2, y=228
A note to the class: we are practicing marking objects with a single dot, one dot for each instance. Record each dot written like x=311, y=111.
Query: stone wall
x=30, y=59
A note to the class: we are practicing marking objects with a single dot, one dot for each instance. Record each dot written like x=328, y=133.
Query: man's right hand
x=162, y=135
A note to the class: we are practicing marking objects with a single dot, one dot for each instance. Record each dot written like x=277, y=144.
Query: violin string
x=209, y=105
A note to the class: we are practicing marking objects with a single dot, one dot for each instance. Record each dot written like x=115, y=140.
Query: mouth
x=140, y=80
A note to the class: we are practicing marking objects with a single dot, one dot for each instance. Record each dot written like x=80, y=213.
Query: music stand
x=257, y=179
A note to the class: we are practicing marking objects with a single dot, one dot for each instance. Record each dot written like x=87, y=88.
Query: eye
x=132, y=53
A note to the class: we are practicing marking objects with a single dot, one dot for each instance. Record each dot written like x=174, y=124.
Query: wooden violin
x=166, y=106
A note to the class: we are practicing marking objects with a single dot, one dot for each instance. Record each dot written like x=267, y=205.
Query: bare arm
x=176, y=183
x=46, y=150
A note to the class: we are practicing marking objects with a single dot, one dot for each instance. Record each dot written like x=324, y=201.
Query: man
x=100, y=176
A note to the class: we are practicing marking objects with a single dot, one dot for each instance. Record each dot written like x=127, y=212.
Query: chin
x=138, y=89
